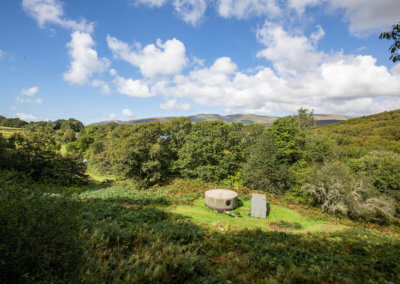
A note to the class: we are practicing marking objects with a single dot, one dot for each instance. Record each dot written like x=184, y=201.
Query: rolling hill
x=321, y=119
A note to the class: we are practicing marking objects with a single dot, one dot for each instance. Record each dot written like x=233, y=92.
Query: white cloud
x=26, y=116
x=132, y=88
x=128, y=113
x=30, y=91
x=301, y=5
x=242, y=9
x=355, y=82
x=159, y=59
x=290, y=54
x=28, y=100
x=151, y=3
x=2, y=54
x=112, y=116
x=190, y=11
x=51, y=11
x=104, y=87
x=85, y=60
x=365, y=16
x=175, y=105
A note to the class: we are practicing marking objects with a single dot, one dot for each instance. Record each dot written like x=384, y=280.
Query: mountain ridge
x=321, y=119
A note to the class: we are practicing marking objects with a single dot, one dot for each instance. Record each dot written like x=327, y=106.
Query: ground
x=202, y=215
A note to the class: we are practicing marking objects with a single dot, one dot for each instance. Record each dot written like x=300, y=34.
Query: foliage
x=335, y=190
x=142, y=154
x=381, y=167
x=380, y=131
x=40, y=236
x=81, y=144
x=281, y=148
x=394, y=35
x=12, y=122
x=211, y=152
x=37, y=156
x=264, y=170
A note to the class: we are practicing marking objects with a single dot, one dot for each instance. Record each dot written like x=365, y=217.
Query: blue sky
x=98, y=60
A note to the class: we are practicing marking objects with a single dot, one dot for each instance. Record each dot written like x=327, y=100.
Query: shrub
x=37, y=156
x=381, y=167
x=335, y=190
x=39, y=235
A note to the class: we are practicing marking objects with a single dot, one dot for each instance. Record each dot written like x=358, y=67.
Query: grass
x=96, y=175
x=185, y=198
x=200, y=214
x=8, y=131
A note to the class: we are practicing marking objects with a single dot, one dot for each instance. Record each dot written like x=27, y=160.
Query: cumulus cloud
x=328, y=81
x=104, y=87
x=290, y=54
x=85, y=60
x=52, y=12
x=152, y=60
x=242, y=9
x=190, y=11
x=365, y=16
x=132, y=88
x=30, y=91
x=26, y=116
x=127, y=112
x=175, y=105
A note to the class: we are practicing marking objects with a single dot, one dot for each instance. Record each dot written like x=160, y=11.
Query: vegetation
x=394, y=35
x=141, y=217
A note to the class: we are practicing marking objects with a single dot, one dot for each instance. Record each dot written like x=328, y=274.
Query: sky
x=97, y=60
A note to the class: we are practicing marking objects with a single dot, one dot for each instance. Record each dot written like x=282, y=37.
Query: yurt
x=221, y=199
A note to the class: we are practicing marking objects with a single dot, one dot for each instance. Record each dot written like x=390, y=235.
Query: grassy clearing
x=8, y=131
x=185, y=198
x=95, y=175
x=200, y=214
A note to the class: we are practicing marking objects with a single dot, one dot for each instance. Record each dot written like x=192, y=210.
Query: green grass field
x=202, y=215
x=8, y=131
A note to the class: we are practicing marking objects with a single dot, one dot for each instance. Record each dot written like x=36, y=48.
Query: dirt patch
x=130, y=205
x=274, y=227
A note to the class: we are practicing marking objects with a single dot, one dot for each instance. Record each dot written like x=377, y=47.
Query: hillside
x=380, y=130
x=322, y=119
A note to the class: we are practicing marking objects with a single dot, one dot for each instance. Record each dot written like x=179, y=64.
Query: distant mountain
x=321, y=119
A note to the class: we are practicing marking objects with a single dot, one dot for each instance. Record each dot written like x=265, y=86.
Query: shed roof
x=220, y=194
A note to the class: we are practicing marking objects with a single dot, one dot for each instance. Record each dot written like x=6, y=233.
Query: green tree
x=394, y=35
x=38, y=157
x=142, y=154
x=264, y=169
x=212, y=151
x=73, y=124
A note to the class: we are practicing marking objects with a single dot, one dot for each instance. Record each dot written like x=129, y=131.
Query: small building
x=221, y=199
x=258, y=205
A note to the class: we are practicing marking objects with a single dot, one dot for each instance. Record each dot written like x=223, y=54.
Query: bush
x=335, y=190
x=381, y=167
x=37, y=156
x=40, y=237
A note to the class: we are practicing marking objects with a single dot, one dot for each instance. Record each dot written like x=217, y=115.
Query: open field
x=8, y=131
x=200, y=214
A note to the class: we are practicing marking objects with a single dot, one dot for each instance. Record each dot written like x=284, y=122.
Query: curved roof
x=220, y=194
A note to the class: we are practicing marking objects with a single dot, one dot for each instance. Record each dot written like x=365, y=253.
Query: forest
x=110, y=203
